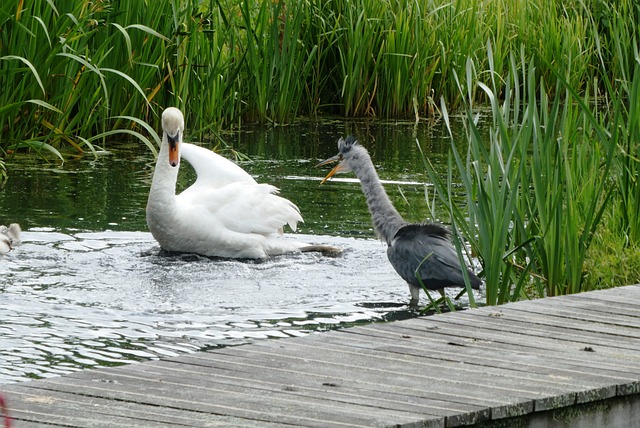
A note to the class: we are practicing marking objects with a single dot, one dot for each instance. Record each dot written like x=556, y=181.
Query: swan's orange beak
x=174, y=153
x=338, y=168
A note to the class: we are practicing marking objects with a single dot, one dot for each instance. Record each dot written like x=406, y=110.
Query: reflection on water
x=89, y=287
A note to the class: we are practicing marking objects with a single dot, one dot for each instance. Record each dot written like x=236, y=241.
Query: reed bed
x=553, y=174
x=68, y=69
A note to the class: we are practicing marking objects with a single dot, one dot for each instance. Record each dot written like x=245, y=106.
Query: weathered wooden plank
x=536, y=342
x=484, y=354
x=205, y=398
x=406, y=386
x=496, y=340
x=508, y=364
x=25, y=402
x=433, y=373
x=340, y=388
x=573, y=311
x=411, y=392
x=628, y=296
x=553, y=349
x=536, y=326
x=524, y=330
x=590, y=309
x=558, y=316
x=526, y=321
x=373, y=368
x=358, y=344
x=433, y=377
x=40, y=413
x=630, y=293
x=329, y=397
x=298, y=386
x=616, y=308
x=587, y=306
x=79, y=419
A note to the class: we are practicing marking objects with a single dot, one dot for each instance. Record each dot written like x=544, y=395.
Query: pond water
x=89, y=286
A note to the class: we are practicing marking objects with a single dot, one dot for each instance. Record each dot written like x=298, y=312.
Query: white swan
x=225, y=213
x=9, y=237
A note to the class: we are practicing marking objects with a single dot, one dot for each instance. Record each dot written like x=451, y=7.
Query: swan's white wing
x=240, y=207
x=212, y=169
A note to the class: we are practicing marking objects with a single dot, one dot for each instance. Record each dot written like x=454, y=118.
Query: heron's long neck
x=386, y=219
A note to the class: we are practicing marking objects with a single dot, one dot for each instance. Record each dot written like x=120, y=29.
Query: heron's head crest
x=344, y=145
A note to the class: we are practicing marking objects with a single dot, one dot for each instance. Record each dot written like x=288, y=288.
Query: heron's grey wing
x=432, y=256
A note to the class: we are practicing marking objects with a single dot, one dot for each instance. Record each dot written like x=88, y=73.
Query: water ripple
x=73, y=301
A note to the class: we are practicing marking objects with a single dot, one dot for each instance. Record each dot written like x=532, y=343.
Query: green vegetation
x=68, y=69
x=558, y=168
x=551, y=175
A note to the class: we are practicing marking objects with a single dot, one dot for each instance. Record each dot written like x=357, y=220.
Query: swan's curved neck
x=163, y=185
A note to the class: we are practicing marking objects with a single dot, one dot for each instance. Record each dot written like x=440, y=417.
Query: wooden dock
x=573, y=359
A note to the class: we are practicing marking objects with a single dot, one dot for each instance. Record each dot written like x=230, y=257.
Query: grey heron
x=419, y=252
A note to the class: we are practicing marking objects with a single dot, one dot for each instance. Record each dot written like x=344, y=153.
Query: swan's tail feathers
x=294, y=219
x=295, y=216
x=326, y=250
x=278, y=211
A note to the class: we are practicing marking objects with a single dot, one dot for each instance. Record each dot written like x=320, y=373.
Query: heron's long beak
x=338, y=168
x=174, y=154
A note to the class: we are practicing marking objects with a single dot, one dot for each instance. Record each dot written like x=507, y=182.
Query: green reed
x=623, y=106
x=538, y=187
x=491, y=175
x=276, y=58
x=616, y=258
x=68, y=78
x=70, y=69
x=627, y=137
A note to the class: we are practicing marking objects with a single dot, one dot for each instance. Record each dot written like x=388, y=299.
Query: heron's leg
x=415, y=295
x=446, y=300
x=464, y=290
x=434, y=304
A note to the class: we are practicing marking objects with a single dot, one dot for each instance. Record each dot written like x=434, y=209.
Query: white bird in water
x=420, y=253
x=9, y=237
x=225, y=213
